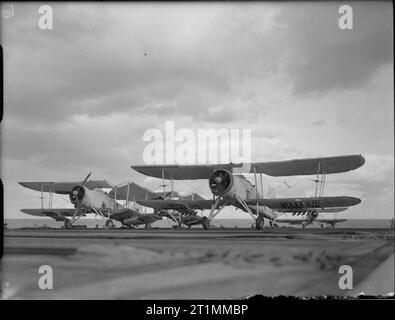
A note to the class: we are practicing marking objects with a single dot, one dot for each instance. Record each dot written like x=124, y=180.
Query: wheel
x=259, y=223
x=109, y=224
x=68, y=224
x=205, y=223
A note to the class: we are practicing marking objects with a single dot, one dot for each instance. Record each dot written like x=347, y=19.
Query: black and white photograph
x=197, y=150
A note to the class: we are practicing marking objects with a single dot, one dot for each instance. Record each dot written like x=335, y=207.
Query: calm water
x=227, y=223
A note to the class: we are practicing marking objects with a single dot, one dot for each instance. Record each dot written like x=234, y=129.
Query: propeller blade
x=86, y=179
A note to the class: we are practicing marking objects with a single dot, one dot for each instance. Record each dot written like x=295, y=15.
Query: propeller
x=220, y=181
x=76, y=197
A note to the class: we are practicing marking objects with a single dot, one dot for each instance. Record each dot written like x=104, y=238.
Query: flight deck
x=196, y=263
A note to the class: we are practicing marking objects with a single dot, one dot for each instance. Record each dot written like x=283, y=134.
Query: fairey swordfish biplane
x=89, y=197
x=229, y=186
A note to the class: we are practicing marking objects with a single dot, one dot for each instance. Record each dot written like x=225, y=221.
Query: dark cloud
x=86, y=66
x=322, y=57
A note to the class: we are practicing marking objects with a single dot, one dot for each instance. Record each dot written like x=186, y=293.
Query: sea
x=165, y=223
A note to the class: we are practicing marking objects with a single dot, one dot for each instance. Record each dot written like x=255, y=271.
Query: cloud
x=323, y=57
x=94, y=62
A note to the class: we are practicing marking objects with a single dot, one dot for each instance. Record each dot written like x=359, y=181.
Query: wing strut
x=163, y=184
x=127, y=195
x=320, y=182
x=257, y=193
x=246, y=207
x=42, y=198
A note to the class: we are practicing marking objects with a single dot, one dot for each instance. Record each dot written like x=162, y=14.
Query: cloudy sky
x=79, y=98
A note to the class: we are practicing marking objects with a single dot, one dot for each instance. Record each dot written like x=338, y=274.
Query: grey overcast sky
x=78, y=98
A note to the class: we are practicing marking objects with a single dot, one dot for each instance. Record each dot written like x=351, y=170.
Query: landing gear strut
x=68, y=224
x=205, y=223
x=109, y=224
x=259, y=223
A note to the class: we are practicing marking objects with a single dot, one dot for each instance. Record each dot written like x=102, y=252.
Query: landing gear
x=205, y=223
x=68, y=224
x=109, y=224
x=259, y=223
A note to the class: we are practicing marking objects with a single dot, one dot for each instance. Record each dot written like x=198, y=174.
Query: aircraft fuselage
x=96, y=199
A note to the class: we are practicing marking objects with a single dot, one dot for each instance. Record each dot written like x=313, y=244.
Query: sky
x=79, y=97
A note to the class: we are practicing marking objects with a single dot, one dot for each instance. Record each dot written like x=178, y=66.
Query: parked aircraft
x=230, y=187
x=88, y=197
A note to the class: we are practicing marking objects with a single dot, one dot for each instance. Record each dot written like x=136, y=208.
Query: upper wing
x=57, y=214
x=184, y=172
x=294, y=167
x=64, y=187
x=299, y=204
x=310, y=166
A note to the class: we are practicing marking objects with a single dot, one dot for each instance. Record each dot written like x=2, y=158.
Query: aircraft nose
x=75, y=192
x=218, y=180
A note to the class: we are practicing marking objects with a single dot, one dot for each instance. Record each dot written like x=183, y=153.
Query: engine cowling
x=220, y=182
x=77, y=194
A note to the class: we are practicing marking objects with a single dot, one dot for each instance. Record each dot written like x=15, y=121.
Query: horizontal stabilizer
x=136, y=192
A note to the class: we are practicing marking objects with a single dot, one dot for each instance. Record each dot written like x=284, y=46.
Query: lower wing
x=300, y=204
x=57, y=214
x=176, y=204
x=330, y=220
x=130, y=216
x=124, y=214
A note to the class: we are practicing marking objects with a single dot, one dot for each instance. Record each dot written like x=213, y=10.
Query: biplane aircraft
x=138, y=193
x=230, y=187
x=88, y=197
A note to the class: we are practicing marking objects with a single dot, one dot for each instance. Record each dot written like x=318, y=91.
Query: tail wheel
x=68, y=224
x=109, y=224
x=205, y=223
x=259, y=223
